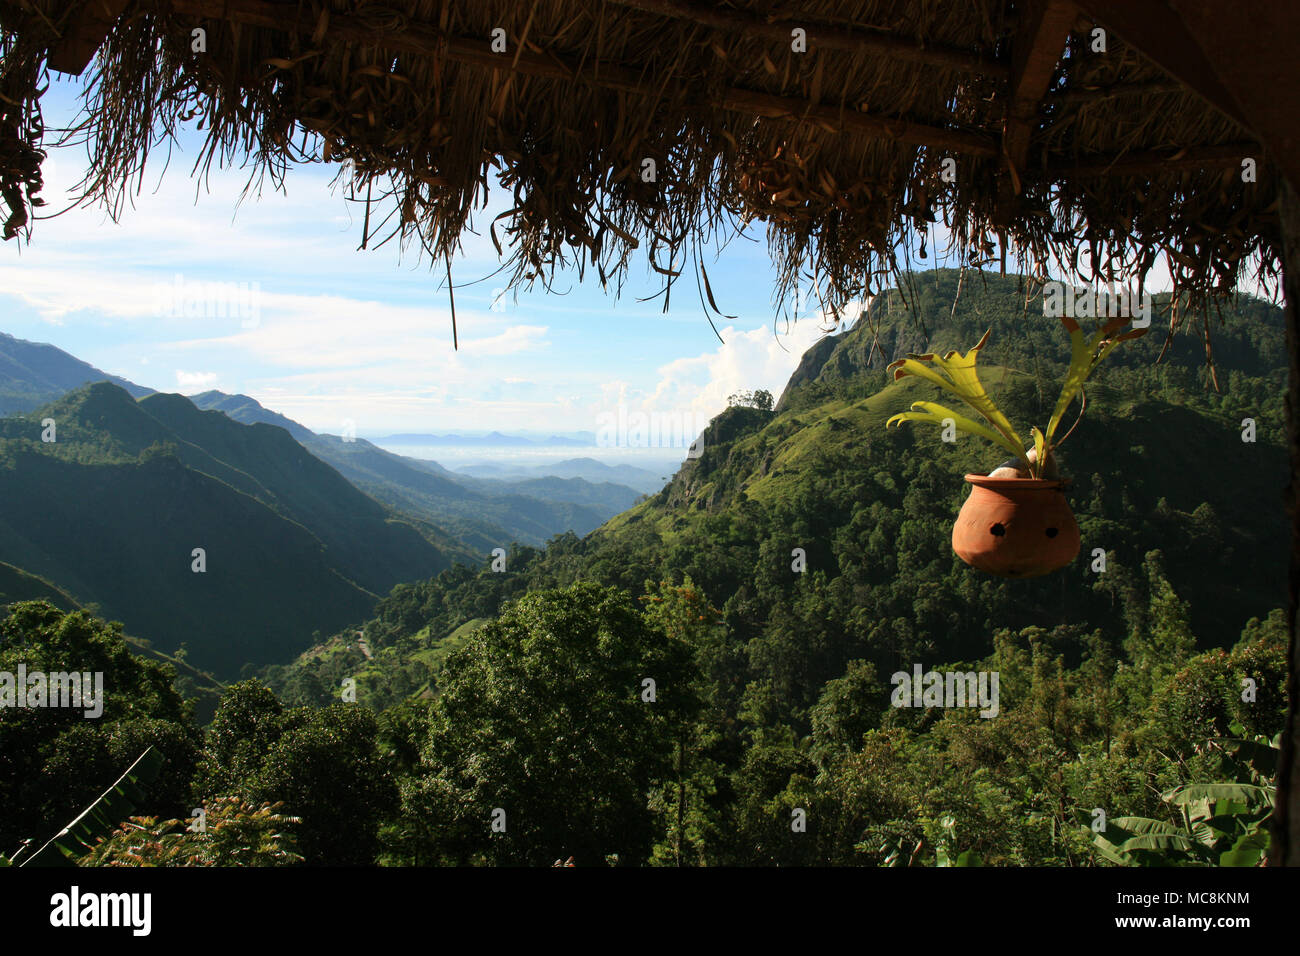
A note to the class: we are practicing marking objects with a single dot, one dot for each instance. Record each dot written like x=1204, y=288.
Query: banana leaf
x=1139, y=826
x=1247, y=851
x=1248, y=793
x=1259, y=756
x=101, y=817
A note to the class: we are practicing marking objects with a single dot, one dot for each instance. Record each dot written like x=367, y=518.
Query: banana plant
x=97, y=820
x=956, y=373
x=1221, y=824
x=935, y=848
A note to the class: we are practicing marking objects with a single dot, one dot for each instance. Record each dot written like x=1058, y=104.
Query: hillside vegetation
x=115, y=507
x=711, y=678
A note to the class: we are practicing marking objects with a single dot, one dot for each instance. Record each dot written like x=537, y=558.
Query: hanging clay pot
x=1015, y=527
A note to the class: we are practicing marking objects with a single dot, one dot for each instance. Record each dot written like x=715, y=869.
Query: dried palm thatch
x=898, y=115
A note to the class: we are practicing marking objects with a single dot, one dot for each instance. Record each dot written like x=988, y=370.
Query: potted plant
x=1016, y=522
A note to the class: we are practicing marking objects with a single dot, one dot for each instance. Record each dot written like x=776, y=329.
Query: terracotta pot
x=1015, y=527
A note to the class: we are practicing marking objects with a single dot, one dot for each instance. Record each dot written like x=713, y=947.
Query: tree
x=55, y=760
x=234, y=833
x=759, y=398
x=546, y=738
x=695, y=719
x=1163, y=641
x=323, y=764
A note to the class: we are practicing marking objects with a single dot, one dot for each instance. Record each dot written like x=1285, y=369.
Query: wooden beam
x=822, y=36
x=1154, y=88
x=1036, y=49
x=836, y=119
x=423, y=39
x=1147, y=162
x=73, y=52
x=1252, y=49
x=1284, y=848
x=1159, y=34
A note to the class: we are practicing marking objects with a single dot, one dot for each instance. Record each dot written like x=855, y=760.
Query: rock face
x=887, y=331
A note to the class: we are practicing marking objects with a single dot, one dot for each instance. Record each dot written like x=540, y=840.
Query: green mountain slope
x=1157, y=465
x=17, y=585
x=483, y=514
x=249, y=411
x=942, y=310
x=122, y=535
x=112, y=510
x=363, y=540
x=33, y=373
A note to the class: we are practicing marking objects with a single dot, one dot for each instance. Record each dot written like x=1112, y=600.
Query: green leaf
x=1250, y=794
x=1247, y=851
x=1259, y=756
x=937, y=414
x=101, y=817
x=1162, y=842
x=956, y=373
x=1136, y=825
x=1085, y=355
x=1040, y=453
x=1109, y=851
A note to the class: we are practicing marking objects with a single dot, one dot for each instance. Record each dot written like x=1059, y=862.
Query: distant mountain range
x=483, y=513
x=491, y=440
x=299, y=532
x=642, y=479
x=192, y=528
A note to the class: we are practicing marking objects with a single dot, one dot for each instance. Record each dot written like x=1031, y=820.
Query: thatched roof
x=1057, y=150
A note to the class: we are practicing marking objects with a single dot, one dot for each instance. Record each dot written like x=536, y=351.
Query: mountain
x=643, y=480
x=243, y=408
x=17, y=585
x=603, y=495
x=942, y=310
x=33, y=373
x=1162, y=484
x=367, y=542
x=490, y=440
x=481, y=515
x=113, y=509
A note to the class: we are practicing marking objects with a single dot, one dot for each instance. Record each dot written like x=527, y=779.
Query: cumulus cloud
x=746, y=360
x=192, y=382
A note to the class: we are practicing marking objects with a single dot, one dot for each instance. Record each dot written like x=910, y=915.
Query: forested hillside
x=114, y=508
x=482, y=514
x=708, y=678
x=793, y=666
x=33, y=373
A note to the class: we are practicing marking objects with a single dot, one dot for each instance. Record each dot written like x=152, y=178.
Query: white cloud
x=191, y=382
x=746, y=360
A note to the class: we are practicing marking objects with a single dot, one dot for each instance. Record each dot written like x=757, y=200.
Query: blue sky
x=340, y=334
